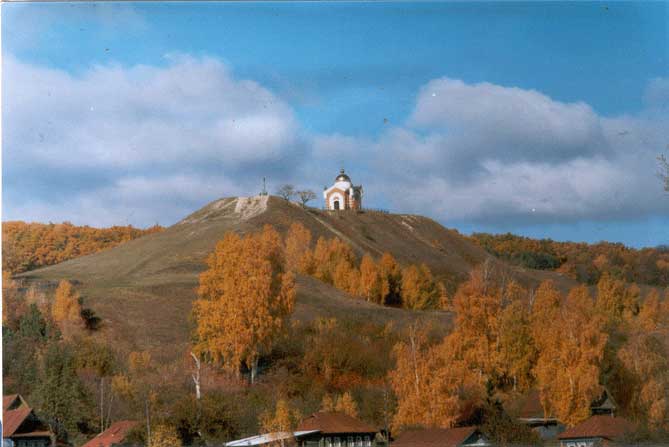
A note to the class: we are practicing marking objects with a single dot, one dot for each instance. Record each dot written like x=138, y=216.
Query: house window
x=350, y=442
x=368, y=441
x=358, y=441
x=328, y=442
x=337, y=441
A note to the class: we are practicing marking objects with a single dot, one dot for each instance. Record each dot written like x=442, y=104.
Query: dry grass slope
x=143, y=289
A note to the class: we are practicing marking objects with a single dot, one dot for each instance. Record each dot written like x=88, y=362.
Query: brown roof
x=8, y=400
x=434, y=437
x=12, y=420
x=332, y=422
x=530, y=406
x=600, y=426
x=115, y=434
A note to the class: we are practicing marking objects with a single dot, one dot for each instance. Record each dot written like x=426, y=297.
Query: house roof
x=115, y=434
x=529, y=407
x=8, y=401
x=267, y=438
x=334, y=422
x=12, y=420
x=434, y=437
x=600, y=426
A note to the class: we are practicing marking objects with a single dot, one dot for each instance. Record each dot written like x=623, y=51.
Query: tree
x=282, y=419
x=66, y=308
x=101, y=361
x=164, y=436
x=346, y=404
x=574, y=337
x=664, y=171
x=59, y=394
x=286, y=191
x=370, y=280
x=391, y=277
x=419, y=290
x=298, y=241
x=306, y=196
x=518, y=352
x=246, y=298
x=430, y=383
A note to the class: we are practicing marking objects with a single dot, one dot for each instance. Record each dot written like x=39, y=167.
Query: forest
x=27, y=246
x=581, y=261
x=250, y=368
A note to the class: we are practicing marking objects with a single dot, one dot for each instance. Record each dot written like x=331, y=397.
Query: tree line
x=27, y=246
x=581, y=261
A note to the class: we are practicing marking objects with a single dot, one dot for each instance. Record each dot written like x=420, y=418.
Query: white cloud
x=114, y=116
x=486, y=153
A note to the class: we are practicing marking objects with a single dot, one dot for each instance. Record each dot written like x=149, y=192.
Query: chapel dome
x=342, y=177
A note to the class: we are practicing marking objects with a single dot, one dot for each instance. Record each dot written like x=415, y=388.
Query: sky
x=538, y=118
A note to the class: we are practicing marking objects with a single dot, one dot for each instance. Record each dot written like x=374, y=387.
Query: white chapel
x=343, y=195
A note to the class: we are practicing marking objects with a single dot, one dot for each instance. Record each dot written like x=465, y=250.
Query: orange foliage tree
x=246, y=297
x=418, y=288
x=571, y=348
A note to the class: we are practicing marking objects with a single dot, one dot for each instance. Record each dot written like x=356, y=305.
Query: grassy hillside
x=143, y=289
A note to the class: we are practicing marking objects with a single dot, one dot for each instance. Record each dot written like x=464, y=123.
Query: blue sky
x=540, y=118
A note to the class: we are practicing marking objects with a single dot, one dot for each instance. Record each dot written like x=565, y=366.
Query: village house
x=343, y=195
x=322, y=429
x=530, y=412
x=21, y=427
x=442, y=437
x=596, y=431
x=114, y=436
x=333, y=429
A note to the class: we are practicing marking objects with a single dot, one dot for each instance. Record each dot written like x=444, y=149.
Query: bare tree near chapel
x=286, y=191
x=306, y=196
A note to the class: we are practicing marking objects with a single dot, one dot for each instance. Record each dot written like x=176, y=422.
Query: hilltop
x=143, y=289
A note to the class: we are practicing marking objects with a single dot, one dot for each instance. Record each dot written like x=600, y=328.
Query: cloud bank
x=146, y=144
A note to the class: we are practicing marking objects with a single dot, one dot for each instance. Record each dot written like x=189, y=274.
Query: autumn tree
x=391, y=280
x=246, y=298
x=477, y=307
x=13, y=305
x=517, y=351
x=298, y=255
x=66, y=308
x=346, y=404
x=370, y=280
x=419, y=290
x=282, y=420
x=431, y=384
x=574, y=337
x=164, y=436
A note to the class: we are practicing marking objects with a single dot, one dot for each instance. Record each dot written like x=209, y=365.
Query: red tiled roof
x=600, y=426
x=332, y=422
x=8, y=400
x=12, y=420
x=434, y=437
x=115, y=434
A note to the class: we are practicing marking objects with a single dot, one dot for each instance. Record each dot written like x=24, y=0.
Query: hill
x=143, y=289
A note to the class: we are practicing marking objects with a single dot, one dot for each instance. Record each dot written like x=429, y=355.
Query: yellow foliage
x=245, y=299
x=164, y=436
x=282, y=419
x=346, y=404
